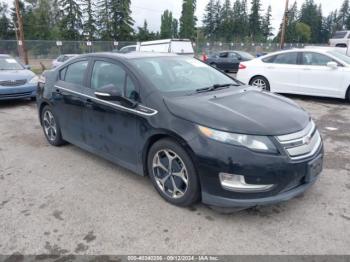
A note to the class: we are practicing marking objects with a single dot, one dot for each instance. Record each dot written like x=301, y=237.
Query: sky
x=152, y=10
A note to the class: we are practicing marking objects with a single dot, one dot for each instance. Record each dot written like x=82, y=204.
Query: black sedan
x=196, y=132
x=228, y=60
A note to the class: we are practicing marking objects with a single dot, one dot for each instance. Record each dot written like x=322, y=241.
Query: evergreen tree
x=255, y=20
x=103, y=22
x=89, y=25
x=166, y=26
x=217, y=12
x=42, y=20
x=311, y=15
x=70, y=24
x=240, y=28
x=115, y=22
x=188, y=19
x=175, y=28
x=144, y=34
x=120, y=15
x=209, y=26
x=344, y=14
x=266, y=24
x=226, y=25
x=6, y=31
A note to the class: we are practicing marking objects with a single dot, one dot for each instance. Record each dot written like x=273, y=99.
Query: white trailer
x=175, y=46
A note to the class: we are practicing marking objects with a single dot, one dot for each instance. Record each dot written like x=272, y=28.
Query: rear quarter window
x=269, y=59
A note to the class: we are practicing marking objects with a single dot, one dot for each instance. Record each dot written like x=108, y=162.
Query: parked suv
x=340, y=39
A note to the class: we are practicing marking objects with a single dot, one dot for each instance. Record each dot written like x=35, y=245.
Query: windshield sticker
x=196, y=63
x=11, y=61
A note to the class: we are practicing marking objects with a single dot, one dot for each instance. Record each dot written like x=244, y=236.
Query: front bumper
x=291, y=178
x=18, y=92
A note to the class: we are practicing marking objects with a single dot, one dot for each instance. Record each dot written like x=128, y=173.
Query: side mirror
x=332, y=65
x=28, y=67
x=111, y=93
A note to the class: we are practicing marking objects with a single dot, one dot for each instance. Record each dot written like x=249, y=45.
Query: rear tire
x=261, y=82
x=347, y=96
x=173, y=173
x=51, y=127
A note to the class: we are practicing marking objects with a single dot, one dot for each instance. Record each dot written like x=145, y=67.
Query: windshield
x=8, y=63
x=342, y=57
x=180, y=74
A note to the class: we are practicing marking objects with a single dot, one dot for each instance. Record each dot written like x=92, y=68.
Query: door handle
x=306, y=69
x=270, y=67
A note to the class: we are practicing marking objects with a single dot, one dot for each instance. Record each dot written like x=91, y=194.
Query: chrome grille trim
x=296, y=136
x=18, y=82
x=302, y=144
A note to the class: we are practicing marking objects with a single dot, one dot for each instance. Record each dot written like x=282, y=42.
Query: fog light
x=237, y=183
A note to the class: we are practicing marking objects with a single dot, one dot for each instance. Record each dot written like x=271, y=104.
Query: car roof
x=4, y=55
x=318, y=50
x=132, y=55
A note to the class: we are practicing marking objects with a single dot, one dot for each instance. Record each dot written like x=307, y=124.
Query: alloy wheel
x=260, y=83
x=50, y=126
x=170, y=173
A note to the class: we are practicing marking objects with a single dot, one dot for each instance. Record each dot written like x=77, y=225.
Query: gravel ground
x=65, y=200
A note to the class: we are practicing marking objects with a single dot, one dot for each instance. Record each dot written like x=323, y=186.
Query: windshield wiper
x=214, y=87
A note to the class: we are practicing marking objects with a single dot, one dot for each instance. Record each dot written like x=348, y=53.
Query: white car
x=340, y=39
x=61, y=59
x=315, y=72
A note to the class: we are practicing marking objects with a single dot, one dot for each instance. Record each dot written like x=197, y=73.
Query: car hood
x=16, y=74
x=244, y=110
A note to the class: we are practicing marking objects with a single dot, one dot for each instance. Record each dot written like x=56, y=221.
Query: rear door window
x=75, y=72
x=286, y=58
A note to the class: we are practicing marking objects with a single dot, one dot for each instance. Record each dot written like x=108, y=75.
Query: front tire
x=261, y=82
x=172, y=173
x=51, y=127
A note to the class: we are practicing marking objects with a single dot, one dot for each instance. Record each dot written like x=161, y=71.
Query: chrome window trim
x=154, y=112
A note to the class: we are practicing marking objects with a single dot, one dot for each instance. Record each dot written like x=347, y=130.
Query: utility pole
x=20, y=41
x=284, y=25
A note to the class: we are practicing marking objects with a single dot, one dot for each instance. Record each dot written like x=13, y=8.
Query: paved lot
x=65, y=200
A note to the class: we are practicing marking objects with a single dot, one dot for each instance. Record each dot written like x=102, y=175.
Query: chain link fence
x=41, y=52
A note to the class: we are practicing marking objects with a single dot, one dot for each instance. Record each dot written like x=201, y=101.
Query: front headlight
x=256, y=143
x=34, y=80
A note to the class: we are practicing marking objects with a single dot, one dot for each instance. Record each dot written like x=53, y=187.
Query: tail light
x=241, y=67
x=204, y=57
